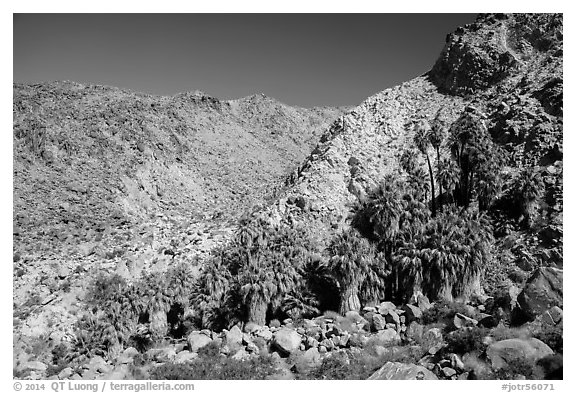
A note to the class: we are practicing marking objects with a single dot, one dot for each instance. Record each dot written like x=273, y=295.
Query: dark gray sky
x=300, y=59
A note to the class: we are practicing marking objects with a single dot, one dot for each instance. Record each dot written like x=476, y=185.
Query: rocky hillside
x=89, y=159
x=111, y=180
x=509, y=67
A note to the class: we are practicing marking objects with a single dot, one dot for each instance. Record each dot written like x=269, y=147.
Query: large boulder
x=378, y=322
x=234, y=337
x=412, y=313
x=287, y=340
x=542, y=291
x=504, y=352
x=388, y=336
x=197, y=340
x=402, y=371
x=461, y=321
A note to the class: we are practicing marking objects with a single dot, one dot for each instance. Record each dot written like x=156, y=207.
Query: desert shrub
x=360, y=365
x=60, y=359
x=443, y=311
x=553, y=336
x=340, y=366
x=516, y=367
x=210, y=351
x=500, y=333
x=217, y=368
x=466, y=340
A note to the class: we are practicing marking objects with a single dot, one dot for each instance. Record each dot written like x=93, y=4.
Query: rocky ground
x=413, y=341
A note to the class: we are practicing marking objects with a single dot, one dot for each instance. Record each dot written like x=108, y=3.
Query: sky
x=300, y=59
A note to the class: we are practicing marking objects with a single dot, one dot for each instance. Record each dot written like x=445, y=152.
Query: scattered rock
x=386, y=307
x=378, y=322
x=553, y=316
x=388, y=336
x=185, y=356
x=287, y=340
x=412, y=313
x=461, y=321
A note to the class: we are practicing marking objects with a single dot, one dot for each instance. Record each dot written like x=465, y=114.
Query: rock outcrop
x=542, y=291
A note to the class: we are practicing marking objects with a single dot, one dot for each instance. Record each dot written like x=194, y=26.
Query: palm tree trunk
x=349, y=300
x=257, y=311
x=439, y=182
x=445, y=292
x=431, y=185
x=159, y=323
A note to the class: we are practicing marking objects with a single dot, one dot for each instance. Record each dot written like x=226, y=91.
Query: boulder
x=234, y=337
x=127, y=356
x=66, y=373
x=197, y=340
x=553, y=316
x=252, y=328
x=415, y=332
x=412, y=313
x=185, y=356
x=286, y=340
x=378, y=322
x=461, y=321
x=488, y=321
x=392, y=317
x=423, y=303
x=503, y=352
x=241, y=355
x=385, y=307
x=388, y=336
x=35, y=365
x=432, y=340
x=448, y=372
x=265, y=334
x=543, y=290
x=402, y=371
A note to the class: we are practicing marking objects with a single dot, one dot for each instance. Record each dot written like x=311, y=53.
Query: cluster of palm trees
x=424, y=229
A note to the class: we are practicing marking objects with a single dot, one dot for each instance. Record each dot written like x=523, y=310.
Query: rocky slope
x=507, y=66
x=110, y=180
x=87, y=158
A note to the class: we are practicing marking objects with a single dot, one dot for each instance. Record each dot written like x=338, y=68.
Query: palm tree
x=422, y=141
x=382, y=211
x=258, y=288
x=352, y=260
x=212, y=289
x=272, y=269
x=455, y=247
x=478, y=158
x=438, y=133
x=528, y=190
x=448, y=173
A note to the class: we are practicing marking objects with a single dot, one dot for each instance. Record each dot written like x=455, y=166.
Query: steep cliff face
x=495, y=47
x=509, y=67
